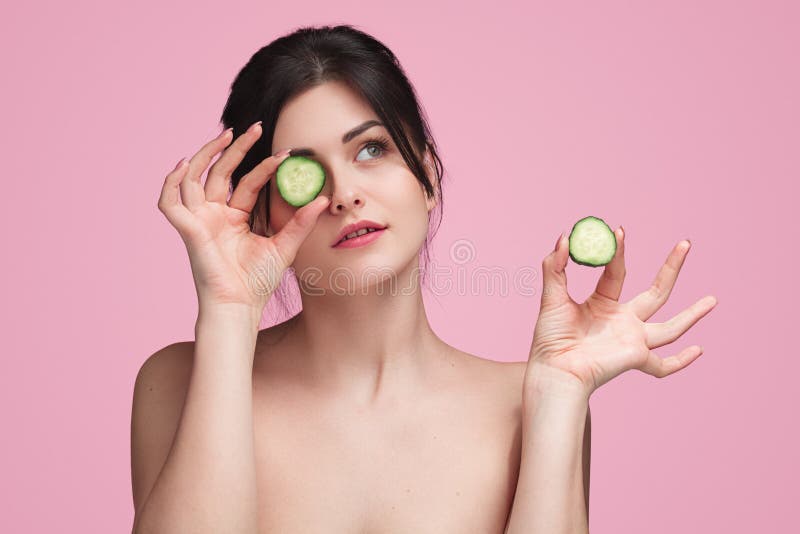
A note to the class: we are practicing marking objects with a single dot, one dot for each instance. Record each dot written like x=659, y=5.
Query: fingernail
x=180, y=163
x=226, y=132
x=623, y=230
x=558, y=242
x=284, y=152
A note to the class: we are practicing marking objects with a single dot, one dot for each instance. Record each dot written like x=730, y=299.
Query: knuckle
x=670, y=328
x=656, y=291
x=253, y=188
x=658, y=371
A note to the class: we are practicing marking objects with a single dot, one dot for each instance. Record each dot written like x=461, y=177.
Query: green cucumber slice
x=299, y=180
x=592, y=242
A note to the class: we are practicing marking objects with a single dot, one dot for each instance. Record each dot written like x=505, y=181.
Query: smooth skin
x=601, y=338
x=192, y=450
x=224, y=253
x=352, y=416
x=576, y=349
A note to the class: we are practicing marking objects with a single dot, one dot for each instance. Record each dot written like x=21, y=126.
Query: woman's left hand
x=586, y=345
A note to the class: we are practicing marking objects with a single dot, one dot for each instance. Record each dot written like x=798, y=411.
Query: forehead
x=319, y=116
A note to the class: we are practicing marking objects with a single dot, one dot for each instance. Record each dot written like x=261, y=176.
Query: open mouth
x=360, y=238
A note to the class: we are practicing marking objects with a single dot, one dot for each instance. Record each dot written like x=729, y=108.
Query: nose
x=346, y=196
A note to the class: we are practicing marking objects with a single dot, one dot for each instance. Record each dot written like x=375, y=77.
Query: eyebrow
x=346, y=138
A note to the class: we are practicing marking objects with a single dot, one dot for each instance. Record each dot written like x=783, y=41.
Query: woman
x=352, y=415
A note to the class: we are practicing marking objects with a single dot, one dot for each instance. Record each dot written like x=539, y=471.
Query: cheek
x=409, y=209
x=414, y=194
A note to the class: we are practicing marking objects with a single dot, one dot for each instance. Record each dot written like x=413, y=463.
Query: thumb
x=294, y=232
x=554, y=277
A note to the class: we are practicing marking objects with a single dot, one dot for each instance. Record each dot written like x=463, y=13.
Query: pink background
x=675, y=119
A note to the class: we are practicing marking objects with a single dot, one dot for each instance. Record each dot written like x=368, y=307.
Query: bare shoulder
x=170, y=367
x=501, y=380
x=163, y=379
x=169, y=359
x=510, y=374
x=158, y=396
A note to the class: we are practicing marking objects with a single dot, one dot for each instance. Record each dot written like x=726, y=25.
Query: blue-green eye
x=379, y=145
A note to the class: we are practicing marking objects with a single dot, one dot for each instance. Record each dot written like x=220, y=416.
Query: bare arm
x=552, y=490
x=208, y=481
x=587, y=458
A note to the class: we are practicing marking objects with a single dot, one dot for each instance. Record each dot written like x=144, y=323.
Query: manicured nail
x=226, y=132
x=284, y=152
x=180, y=163
x=558, y=242
x=623, y=231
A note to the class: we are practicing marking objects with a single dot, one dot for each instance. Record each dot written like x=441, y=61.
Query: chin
x=354, y=271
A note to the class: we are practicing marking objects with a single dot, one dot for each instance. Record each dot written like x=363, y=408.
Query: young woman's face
x=363, y=181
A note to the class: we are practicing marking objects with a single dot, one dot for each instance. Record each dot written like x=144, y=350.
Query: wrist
x=237, y=313
x=544, y=381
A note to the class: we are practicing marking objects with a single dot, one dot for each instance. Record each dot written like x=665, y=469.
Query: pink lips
x=355, y=227
x=361, y=240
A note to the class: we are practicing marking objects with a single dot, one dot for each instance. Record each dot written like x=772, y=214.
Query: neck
x=367, y=343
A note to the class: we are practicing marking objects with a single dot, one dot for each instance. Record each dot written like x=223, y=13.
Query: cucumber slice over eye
x=299, y=180
x=592, y=242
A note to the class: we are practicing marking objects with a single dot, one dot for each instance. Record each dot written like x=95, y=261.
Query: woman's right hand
x=230, y=263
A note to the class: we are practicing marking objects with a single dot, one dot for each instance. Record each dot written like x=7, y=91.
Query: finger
x=554, y=276
x=192, y=192
x=291, y=236
x=645, y=304
x=610, y=283
x=659, y=334
x=660, y=368
x=246, y=193
x=169, y=202
x=218, y=181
